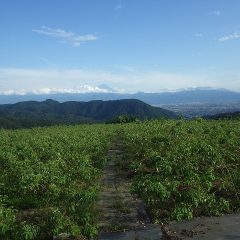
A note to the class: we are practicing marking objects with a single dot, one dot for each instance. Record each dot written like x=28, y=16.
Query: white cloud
x=198, y=35
x=233, y=36
x=65, y=36
x=46, y=90
x=215, y=13
x=78, y=80
x=119, y=7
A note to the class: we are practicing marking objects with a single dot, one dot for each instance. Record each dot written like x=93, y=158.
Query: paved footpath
x=206, y=228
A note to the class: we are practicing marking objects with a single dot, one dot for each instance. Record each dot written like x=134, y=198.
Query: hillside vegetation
x=49, y=180
x=50, y=177
x=183, y=169
x=50, y=112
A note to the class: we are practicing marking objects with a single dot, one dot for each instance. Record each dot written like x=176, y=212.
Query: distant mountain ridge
x=188, y=96
x=50, y=111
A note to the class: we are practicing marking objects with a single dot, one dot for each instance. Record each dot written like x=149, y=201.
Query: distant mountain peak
x=184, y=96
x=106, y=87
x=202, y=89
x=51, y=101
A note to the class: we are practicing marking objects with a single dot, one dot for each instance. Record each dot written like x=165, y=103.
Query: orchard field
x=183, y=169
x=49, y=180
x=50, y=177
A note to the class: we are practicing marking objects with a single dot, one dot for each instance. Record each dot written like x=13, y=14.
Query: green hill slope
x=49, y=112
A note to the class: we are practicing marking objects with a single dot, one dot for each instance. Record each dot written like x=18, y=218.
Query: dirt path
x=122, y=214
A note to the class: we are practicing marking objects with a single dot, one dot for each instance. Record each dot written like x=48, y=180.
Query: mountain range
x=50, y=112
x=188, y=96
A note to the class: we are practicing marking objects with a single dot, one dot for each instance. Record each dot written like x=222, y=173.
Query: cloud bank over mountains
x=45, y=81
x=43, y=91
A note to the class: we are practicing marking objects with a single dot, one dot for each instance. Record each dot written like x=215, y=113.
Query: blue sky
x=130, y=45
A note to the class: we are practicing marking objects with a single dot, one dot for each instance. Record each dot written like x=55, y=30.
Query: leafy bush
x=183, y=168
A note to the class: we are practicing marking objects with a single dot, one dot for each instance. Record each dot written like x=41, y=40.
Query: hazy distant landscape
x=119, y=120
x=191, y=102
x=202, y=109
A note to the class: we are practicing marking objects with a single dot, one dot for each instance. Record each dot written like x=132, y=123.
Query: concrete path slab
x=206, y=228
x=150, y=232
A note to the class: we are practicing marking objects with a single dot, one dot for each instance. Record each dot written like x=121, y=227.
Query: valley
x=192, y=110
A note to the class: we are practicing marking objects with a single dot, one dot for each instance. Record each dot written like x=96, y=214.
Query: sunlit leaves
x=183, y=168
x=49, y=180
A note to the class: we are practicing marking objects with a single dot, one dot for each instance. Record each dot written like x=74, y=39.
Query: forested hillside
x=50, y=112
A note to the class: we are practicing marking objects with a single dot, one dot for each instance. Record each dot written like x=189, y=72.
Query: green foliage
x=123, y=119
x=7, y=219
x=184, y=168
x=49, y=180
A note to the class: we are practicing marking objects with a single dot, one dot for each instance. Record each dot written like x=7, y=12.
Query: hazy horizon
x=129, y=46
x=86, y=89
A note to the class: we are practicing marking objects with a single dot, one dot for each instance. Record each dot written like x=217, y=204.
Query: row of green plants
x=183, y=169
x=49, y=180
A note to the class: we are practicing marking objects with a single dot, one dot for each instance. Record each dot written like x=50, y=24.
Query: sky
x=51, y=46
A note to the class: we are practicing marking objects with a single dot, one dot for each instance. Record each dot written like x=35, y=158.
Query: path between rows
x=122, y=215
